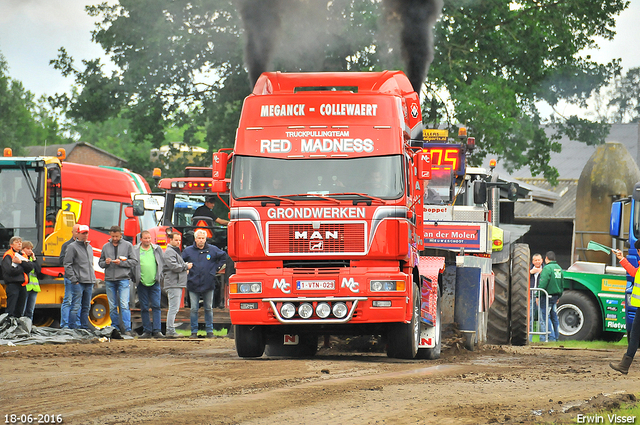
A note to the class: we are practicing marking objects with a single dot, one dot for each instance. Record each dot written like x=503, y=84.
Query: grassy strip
x=583, y=344
x=221, y=332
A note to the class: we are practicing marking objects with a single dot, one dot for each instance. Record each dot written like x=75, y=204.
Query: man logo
x=315, y=235
x=316, y=246
x=414, y=111
x=282, y=285
x=351, y=284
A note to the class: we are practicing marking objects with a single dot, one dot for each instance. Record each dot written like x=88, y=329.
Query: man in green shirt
x=551, y=281
x=148, y=276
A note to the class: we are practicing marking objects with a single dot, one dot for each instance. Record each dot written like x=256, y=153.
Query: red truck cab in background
x=327, y=215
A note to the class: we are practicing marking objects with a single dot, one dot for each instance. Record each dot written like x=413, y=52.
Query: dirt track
x=203, y=381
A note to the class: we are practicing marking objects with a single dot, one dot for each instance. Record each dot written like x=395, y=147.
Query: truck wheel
x=306, y=347
x=99, y=312
x=498, y=320
x=46, y=317
x=612, y=336
x=579, y=317
x=434, y=353
x=520, y=294
x=403, y=338
x=249, y=340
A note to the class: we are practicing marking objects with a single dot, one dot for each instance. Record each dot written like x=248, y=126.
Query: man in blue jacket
x=206, y=260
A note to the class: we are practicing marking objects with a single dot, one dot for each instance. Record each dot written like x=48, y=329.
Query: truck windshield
x=438, y=190
x=17, y=204
x=184, y=205
x=379, y=176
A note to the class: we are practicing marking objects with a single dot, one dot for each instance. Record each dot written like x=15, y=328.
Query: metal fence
x=542, y=295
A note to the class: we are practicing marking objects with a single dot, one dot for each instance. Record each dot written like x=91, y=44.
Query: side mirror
x=219, y=169
x=423, y=160
x=220, y=186
x=137, y=209
x=131, y=227
x=479, y=192
x=615, y=223
x=636, y=192
x=512, y=191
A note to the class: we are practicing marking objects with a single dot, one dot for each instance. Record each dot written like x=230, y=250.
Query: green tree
x=181, y=64
x=23, y=121
x=625, y=97
x=498, y=58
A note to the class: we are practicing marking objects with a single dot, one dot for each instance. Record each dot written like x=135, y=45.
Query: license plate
x=305, y=285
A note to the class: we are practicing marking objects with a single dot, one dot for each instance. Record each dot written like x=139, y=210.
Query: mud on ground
x=203, y=381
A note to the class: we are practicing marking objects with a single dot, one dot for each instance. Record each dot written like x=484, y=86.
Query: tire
x=46, y=317
x=403, y=338
x=434, y=353
x=498, y=330
x=249, y=341
x=579, y=317
x=519, y=306
x=612, y=336
x=99, y=311
x=307, y=347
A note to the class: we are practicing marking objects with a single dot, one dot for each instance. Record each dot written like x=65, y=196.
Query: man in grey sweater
x=78, y=268
x=117, y=260
x=175, y=280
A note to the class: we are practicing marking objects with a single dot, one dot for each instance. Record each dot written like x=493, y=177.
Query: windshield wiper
x=362, y=195
x=312, y=195
x=30, y=184
x=265, y=199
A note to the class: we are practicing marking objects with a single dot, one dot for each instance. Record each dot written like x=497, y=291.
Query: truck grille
x=302, y=238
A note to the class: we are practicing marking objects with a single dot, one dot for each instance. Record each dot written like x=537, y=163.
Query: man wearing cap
x=206, y=211
x=118, y=260
x=78, y=268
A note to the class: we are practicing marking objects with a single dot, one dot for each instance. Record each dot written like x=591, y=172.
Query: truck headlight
x=387, y=285
x=287, y=310
x=305, y=310
x=340, y=310
x=323, y=310
x=250, y=288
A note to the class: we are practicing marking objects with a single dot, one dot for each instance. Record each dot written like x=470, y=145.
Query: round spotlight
x=323, y=310
x=256, y=288
x=376, y=286
x=340, y=310
x=305, y=310
x=287, y=310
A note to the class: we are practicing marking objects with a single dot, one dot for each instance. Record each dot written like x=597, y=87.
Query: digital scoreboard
x=446, y=156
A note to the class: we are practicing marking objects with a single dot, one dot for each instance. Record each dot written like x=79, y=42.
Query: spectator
x=206, y=260
x=534, y=271
x=551, y=281
x=117, y=260
x=71, y=291
x=175, y=280
x=634, y=301
x=33, y=287
x=78, y=268
x=15, y=270
x=148, y=277
x=206, y=211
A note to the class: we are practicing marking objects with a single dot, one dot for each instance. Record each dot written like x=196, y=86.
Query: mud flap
x=427, y=336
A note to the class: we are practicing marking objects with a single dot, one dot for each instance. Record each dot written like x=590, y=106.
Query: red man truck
x=326, y=198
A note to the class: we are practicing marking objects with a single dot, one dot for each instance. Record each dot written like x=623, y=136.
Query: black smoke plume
x=415, y=18
x=416, y=35
x=261, y=20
